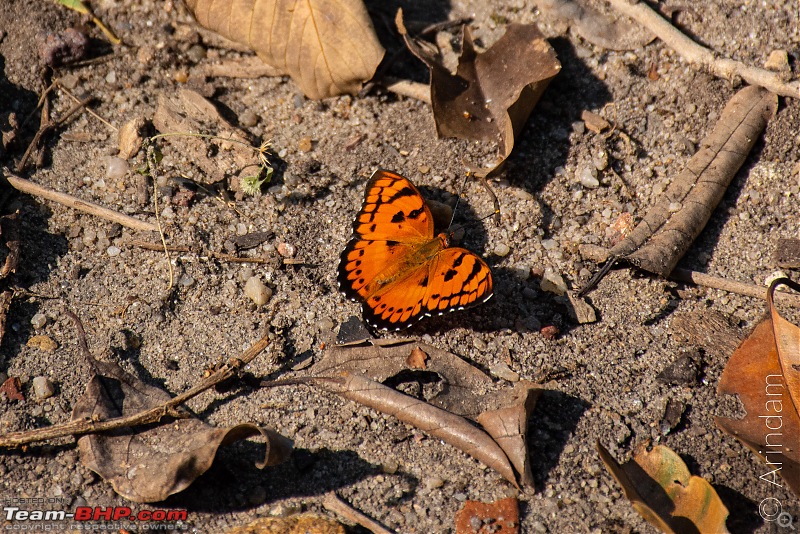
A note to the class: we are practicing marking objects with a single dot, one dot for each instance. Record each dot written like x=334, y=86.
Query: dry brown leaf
x=150, y=464
x=12, y=388
x=597, y=28
x=491, y=95
x=499, y=517
x=460, y=393
x=664, y=492
x=667, y=231
x=763, y=373
x=328, y=47
x=189, y=112
x=42, y=342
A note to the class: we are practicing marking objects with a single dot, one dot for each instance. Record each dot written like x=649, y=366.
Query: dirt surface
x=602, y=376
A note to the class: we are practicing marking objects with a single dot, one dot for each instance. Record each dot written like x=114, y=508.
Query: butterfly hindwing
x=457, y=279
x=393, y=209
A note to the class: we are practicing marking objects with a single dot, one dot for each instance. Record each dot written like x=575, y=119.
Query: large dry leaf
x=763, y=374
x=328, y=47
x=460, y=392
x=149, y=464
x=661, y=239
x=189, y=112
x=664, y=492
x=491, y=95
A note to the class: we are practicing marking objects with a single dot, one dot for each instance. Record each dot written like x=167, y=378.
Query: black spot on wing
x=398, y=217
x=450, y=274
x=401, y=193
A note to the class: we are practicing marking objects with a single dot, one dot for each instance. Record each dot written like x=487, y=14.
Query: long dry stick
x=152, y=415
x=742, y=288
x=26, y=186
x=333, y=503
x=701, y=56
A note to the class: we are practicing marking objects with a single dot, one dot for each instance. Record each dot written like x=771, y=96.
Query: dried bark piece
x=150, y=464
x=708, y=329
x=596, y=27
x=763, y=373
x=499, y=517
x=328, y=47
x=491, y=95
x=787, y=253
x=189, y=112
x=661, y=239
x=664, y=492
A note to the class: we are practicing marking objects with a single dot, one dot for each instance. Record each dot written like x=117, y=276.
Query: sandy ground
x=605, y=383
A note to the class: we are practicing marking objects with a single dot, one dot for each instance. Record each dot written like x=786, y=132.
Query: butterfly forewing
x=393, y=210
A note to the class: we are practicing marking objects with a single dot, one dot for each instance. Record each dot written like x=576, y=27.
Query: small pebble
x=674, y=207
x=549, y=244
x=287, y=250
x=248, y=118
x=186, y=281
x=257, y=291
x=460, y=497
x=111, y=77
x=503, y=371
x=502, y=250
x=43, y=387
x=552, y=282
x=38, y=321
x=305, y=144
x=588, y=177
x=433, y=483
x=196, y=53
x=113, y=251
x=479, y=344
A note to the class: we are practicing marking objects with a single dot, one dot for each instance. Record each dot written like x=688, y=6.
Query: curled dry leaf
x=596, y=27
x=664, y=492
x=462, y=394
x=499, y=517
x=150, y=464
x=439, y=423
x=661, y=239
x=763, y=373
x=189, y=112
x=491, y=95
x=328, y=47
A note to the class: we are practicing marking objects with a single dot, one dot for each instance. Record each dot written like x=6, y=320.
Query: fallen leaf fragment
x=499, y=517
x=150, y=464
x=12, y=388
x=787, y=253
x=667, y=231
x=763, y=373
x=328, y=47
x=594, y=122
x=665, y=493
x=42, y=342
x=294, y=524
x=188, y=112
x=491, y=95
x=417, y=359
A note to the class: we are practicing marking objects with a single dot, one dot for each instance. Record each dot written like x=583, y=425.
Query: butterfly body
x=395, y=265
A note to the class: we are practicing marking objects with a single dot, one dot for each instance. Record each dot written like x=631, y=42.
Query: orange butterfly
x=397, y=268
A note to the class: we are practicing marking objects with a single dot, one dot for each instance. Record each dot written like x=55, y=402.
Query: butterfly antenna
x=458, y=199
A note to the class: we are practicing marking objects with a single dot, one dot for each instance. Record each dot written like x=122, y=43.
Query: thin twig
x=26, y=186
x=417, y=90
x=178, y=248
x=334, y=504
x=742, y=288
x=701, y=56
x=51, y=125
x=152, y=415
x=88, y=110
